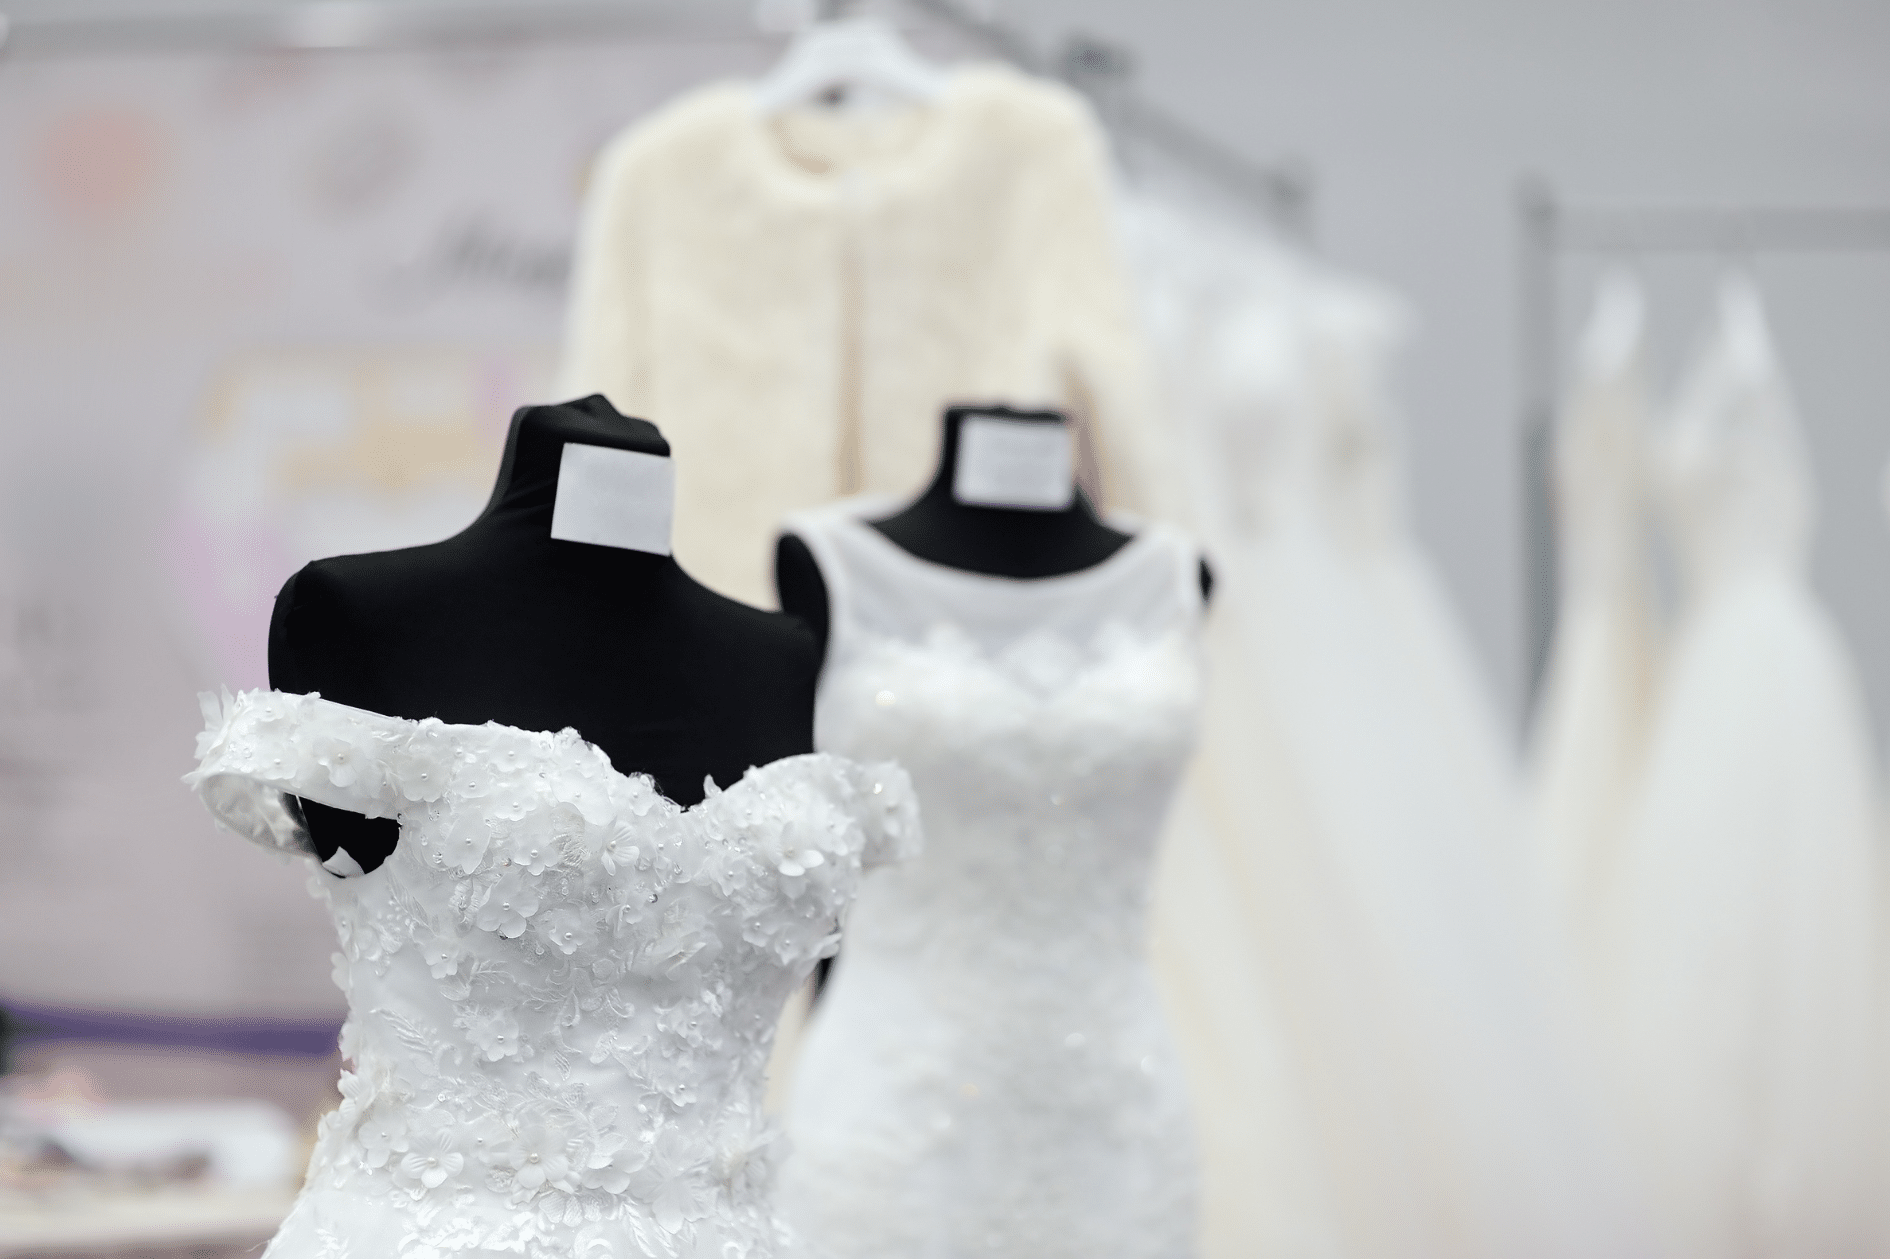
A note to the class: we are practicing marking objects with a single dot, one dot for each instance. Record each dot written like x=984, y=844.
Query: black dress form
x=996, y=541
x=503, y=623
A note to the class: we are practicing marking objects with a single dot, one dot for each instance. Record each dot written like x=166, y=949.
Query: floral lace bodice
x=563, y=987
x=1045, y=722
x=990, y=1072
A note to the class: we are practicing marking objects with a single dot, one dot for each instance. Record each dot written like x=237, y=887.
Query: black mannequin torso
x=504, y=623
x=997, y=541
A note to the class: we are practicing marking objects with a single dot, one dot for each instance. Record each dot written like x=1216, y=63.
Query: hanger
x=838, y=58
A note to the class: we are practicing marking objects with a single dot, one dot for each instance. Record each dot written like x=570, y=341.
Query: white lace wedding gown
x=562, y=986
x=1592, y=726
x=989, y=1072
x=1745, y=931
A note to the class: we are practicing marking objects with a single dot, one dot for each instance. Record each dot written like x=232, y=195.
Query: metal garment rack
x=1551, y=229
x=1280, y=191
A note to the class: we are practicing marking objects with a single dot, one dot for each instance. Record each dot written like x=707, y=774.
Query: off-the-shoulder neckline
x=642, y=777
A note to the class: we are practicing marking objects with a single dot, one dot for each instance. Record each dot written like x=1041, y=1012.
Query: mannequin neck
x=999, y=541
x=527, y=488
x=525, y=496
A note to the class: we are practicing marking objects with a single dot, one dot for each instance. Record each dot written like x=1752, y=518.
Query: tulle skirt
x=1743, y=937
x=1339, y=874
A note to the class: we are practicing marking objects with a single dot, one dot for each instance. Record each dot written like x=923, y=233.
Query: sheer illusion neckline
x=1141, y=537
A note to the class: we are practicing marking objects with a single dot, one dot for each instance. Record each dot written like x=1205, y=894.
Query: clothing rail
x=1551, y=229
x=1281, y=191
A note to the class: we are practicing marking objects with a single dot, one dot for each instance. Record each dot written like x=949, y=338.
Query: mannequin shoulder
x=772, y=643
x=370, y=584
x=329, y=609
x=315, y=598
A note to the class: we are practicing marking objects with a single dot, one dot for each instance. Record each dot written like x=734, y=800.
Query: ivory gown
x=1745, y=926
x=1592, y=726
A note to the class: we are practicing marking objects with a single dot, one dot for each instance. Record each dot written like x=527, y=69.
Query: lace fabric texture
x=563, y=987
x=989, y=1072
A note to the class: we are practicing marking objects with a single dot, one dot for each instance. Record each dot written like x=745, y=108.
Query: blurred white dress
x=1597, y=701
x=1745, y=931
x=1337, y=921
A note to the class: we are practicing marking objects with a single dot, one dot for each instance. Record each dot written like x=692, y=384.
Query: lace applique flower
x=473, y=779
x=335, y=751
x=613, y=1161
x=467, y=840
x=617, y=846
x=511, y=800
x=537, y=1156
x=495, y=1033
x=675, y=1197
x=748, y=1169
x=356, y=1093
x=566, y=928
x=442, y=955
x=796, y=860
x=511, y=902
x=218, y=710
x=381, y=1135
x=430, y=1163
x=426, y=761
x=677, y=955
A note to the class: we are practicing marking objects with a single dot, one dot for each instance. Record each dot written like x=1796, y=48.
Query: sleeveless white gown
x=562, y=986
x=1746, y=924
x=989, y=1072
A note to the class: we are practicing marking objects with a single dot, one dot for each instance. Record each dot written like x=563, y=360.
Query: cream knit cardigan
x=793, y=300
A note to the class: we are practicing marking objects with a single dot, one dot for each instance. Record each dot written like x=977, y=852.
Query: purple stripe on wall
x=243, y=1034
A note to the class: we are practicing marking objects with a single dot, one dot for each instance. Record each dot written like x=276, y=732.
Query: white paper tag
x=1014, y=463
x=611, y=497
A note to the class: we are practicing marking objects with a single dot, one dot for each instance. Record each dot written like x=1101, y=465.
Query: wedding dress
x=1597, y=700
x=1746, y=925
x=1354, y=798
x=562, y=986
x=989, y=1071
